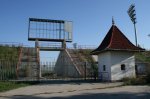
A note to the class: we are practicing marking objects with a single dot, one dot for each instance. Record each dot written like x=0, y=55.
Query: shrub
x=134, y=81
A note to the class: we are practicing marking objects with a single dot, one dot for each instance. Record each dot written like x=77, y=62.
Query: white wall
x=95, y=58
x=104, y=59
x=118, y=58
x=113, y=60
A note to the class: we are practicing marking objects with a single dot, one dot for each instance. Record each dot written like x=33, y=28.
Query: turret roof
x=116, y=40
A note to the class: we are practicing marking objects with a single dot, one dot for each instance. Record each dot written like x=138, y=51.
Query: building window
x=123, y=67
x=136, y=70
x=135, y=67
x=104, y=67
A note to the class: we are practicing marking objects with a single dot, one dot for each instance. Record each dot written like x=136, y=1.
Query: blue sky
x=91, y=18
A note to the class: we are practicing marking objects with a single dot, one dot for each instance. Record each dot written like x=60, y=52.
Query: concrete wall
x=119, y=58
x=64, y=66
x=141, y=68
x=104, y=59
x=95, y=58
x=112, y=61
x=59, y=65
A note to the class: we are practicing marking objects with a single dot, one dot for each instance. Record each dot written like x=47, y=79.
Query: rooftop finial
x=113, y=22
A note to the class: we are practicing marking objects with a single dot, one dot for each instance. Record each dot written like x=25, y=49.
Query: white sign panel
x=68, y=28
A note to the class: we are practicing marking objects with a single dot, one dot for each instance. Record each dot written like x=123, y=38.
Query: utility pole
x=132, y=15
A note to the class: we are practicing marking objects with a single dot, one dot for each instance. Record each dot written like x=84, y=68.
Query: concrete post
x=64, y=44
x=38, y=60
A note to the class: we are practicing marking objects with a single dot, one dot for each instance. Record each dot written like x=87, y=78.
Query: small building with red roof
x=116, y=58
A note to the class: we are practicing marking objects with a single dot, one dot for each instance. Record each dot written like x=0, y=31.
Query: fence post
x=85, y=64
x=0, y=69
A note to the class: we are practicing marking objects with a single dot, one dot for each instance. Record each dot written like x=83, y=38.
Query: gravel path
x=79, y=91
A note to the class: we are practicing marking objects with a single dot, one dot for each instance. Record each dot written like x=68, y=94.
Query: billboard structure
x=46, y=31
x=49, y=30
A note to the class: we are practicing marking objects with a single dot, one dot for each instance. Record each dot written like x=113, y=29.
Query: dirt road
x=79, y=91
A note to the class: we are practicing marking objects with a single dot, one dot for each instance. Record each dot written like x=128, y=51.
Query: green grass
x=9, y=53
x=143, y=56
x=5, y=86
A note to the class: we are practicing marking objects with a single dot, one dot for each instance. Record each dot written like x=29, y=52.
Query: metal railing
x=7, y=70
x=50, y=45
x=83, y=47
x=11, y=44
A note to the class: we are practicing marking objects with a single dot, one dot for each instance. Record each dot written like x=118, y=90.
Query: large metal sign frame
x=49, y=30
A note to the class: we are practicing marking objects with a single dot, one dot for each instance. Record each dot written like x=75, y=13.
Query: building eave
x=109, y=49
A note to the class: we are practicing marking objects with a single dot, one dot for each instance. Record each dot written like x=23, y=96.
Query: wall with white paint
x=95, y=58
x=117, y=59
x=104, y=59
x=113, y=61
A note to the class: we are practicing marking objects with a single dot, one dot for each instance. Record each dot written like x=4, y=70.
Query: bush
x=134, y=81
x=49, y=75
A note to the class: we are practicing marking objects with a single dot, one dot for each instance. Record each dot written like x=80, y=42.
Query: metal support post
x=85, y=64
x=135, y=35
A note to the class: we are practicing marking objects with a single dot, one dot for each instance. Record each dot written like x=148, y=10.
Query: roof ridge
x=111, y=36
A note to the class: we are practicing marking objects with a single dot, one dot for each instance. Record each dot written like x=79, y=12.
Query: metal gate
x=47, y=70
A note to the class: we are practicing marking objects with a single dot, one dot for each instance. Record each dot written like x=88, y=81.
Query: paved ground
x=79, y=91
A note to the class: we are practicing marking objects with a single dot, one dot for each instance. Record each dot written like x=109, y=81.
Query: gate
x=8, y=71
x=47, y=70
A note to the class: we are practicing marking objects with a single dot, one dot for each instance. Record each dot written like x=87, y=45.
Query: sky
x=91, y=19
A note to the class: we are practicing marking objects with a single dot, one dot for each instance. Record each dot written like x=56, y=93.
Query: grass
x=143, y=56
x=6, y=85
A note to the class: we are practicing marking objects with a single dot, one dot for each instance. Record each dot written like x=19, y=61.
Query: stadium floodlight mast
x=132, y=15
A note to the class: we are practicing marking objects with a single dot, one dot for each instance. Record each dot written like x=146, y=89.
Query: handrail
x=83, y=47
x=11, y=44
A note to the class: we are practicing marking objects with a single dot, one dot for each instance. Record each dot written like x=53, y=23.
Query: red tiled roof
x=116, y=40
